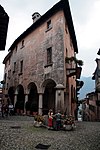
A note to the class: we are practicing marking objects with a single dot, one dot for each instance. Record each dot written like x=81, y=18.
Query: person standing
x=50, y=119
x=2, y=108
x=58, y=117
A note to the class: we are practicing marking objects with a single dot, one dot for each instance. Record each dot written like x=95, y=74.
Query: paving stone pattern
x=18, y=133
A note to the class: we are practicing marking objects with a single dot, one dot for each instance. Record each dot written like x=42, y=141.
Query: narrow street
x=18, y=133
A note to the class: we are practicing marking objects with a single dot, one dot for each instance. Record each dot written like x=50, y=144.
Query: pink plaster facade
x=29, y=51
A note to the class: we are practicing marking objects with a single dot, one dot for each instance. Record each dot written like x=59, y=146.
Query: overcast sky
x=85, y=15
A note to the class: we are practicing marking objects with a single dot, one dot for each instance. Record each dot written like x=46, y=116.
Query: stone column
x=15, y=100
x=59, y=101
x=40, y=103
x=26, y=99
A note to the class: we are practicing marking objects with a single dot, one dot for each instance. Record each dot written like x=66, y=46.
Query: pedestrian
x=50, y=119
x=2, y=108
x=6, y=110
x=11, y=109
x=58, y=117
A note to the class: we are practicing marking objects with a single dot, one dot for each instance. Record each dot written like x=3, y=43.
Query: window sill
x=48, y=29
x=20, y=73
x=22, y=47
x=13, y=72
x=48, y=65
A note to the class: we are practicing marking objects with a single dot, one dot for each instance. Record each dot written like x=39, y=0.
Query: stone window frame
x=22, y=44
x=9, y=74
x=7, y=86
x=16, y=48
x=49, y=25
x=21, y=68
x=49, y=57
x=14, y=67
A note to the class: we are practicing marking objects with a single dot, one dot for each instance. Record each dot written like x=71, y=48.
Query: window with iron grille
x=49, y=55
x=14, y=67
x=21, y=66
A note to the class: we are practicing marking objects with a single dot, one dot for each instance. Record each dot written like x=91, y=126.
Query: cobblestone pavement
x=25, y=136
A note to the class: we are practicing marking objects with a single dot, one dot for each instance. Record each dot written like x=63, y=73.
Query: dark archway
x=49, y=96
x=20, y=98
x=33, y=98
x=11, y=92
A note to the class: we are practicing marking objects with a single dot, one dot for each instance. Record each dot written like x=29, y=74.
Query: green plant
x=79, y=62
x=69, y=120
x=70, y=59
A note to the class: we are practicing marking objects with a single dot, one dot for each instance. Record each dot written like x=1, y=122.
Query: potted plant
x=69, y=123
x=38, y=120
x=70, y=59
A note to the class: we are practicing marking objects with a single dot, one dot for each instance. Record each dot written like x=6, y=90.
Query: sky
x=85, y=15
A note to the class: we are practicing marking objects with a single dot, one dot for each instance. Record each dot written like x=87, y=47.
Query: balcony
x=79, y=84
x=73, y=67
x=74, y=71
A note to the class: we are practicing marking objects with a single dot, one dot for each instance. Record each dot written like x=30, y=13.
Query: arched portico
x=49, y=95
x=32, y=103
x=19, y=106
x=11, y=92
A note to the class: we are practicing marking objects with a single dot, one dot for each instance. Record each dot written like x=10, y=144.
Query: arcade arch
x=48, y=96
x=11, y=92
x=32, y=103
x=20, y=99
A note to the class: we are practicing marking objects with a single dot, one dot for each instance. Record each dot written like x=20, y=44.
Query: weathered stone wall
x=34, y=54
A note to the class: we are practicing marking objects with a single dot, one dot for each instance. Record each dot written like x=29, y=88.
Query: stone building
x=91, y=104
x=89, y=107
x=0, y=93
x=96, y=77
x=40, y=68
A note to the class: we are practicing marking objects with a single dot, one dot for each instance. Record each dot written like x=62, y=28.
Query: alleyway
x=18, y=133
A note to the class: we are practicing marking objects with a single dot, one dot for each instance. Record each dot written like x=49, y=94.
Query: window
x=9, y=74
x=49, y=55
x=49, y=24
x=92, y=108
x=21, y=66
x=22, y=44
x=7, y=86
x=9, y=61
x=14, y=67
x=16, y=48
x=5, y=77
x=66, y=28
